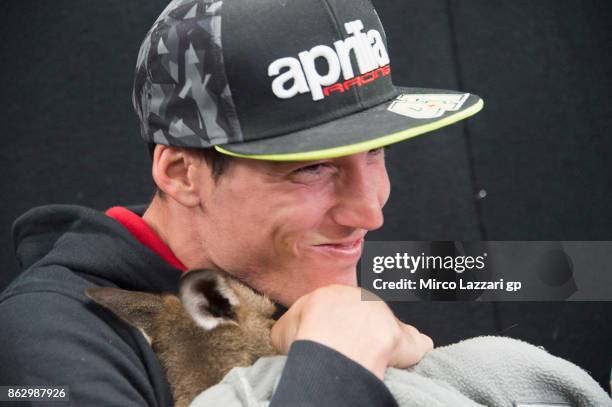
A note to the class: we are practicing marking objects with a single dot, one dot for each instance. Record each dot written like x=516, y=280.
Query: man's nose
x=360, y=201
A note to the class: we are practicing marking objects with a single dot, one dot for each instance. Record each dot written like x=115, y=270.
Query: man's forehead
x=280, y=166
x=288, y=163
x=283, y=166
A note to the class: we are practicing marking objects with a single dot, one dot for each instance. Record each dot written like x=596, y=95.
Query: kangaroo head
x=217, y=323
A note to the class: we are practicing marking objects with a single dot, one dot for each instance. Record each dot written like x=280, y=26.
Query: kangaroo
x=217, y=323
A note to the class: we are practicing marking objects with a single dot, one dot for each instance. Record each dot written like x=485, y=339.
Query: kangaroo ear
x=208, y=298
x=136, y=308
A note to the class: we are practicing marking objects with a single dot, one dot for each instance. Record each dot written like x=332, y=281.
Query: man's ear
x=136, y=308
x=176, y=172
x=208, y=298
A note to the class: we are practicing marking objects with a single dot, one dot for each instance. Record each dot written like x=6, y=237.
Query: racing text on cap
x=302, y=75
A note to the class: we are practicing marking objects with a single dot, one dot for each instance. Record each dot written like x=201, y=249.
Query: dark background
x=539, y=150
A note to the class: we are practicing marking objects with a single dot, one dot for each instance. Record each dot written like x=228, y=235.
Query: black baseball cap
x=281, y=80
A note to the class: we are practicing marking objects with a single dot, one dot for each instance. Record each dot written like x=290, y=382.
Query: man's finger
x=284, y=331
x=411, y=348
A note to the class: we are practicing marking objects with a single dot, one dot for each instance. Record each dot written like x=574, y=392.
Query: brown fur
x=194, y=358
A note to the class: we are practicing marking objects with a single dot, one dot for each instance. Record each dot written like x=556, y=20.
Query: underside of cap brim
x=363, y=131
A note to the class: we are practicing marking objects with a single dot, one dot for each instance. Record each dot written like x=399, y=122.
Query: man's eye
x=310, y=169
x=376, y=151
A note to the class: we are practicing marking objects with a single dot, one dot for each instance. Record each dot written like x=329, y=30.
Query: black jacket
x=51, y=334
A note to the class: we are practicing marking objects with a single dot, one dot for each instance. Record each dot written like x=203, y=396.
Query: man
x=266, y=122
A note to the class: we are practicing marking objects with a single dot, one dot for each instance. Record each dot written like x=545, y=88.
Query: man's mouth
x=344, y=249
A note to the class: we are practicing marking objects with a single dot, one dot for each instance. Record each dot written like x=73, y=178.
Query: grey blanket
x=483, y=371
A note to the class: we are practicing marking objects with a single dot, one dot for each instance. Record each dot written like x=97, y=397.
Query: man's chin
x=328, y=277
x=315, y=282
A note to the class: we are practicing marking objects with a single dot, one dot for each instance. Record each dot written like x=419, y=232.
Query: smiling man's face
x=289, y=228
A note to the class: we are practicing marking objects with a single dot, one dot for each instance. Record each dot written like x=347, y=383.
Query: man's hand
x=364, y=331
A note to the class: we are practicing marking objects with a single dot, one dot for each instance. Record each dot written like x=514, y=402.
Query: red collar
x=144, y=234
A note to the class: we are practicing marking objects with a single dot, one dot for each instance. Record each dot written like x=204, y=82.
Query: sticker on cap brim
x=427, y=106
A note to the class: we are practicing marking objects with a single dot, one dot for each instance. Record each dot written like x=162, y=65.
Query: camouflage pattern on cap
x=181, y=94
